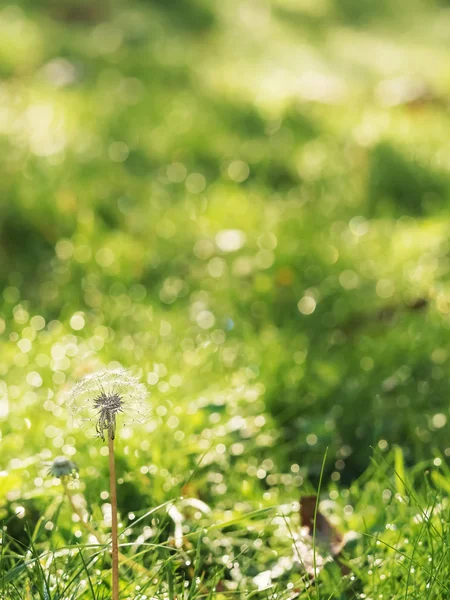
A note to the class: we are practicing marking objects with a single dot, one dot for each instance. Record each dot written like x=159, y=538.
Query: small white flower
x=103, y=396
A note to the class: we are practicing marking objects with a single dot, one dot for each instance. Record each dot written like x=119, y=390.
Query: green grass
x=399, y=548
x=247, y=204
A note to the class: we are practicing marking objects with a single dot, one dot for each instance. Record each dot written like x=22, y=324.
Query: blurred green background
x=246, y=203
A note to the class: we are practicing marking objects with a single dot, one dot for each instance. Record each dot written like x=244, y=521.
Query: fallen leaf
x=326, y=534
x=313, y=549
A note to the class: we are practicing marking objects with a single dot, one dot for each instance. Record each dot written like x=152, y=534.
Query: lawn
x=247, y=205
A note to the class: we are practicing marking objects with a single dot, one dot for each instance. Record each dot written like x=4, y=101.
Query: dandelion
x=62, y=468
x=101, y=398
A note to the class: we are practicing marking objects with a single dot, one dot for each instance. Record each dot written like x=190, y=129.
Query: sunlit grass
x=247, y=204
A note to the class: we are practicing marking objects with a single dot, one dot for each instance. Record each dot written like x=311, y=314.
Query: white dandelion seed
x=103, y=396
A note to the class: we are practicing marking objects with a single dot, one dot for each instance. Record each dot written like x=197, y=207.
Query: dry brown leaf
x=313, y=549
x=326, y=534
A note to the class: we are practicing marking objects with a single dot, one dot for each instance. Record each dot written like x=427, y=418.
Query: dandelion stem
x=114, y=536
x=97, y=535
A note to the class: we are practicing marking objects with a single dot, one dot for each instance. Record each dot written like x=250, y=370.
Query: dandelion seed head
x=62, y=467
x=99, y=398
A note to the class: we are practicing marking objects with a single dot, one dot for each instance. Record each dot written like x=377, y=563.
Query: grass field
x=245, y=203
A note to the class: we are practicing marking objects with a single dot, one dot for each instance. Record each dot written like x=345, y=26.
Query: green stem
x=114, y=533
